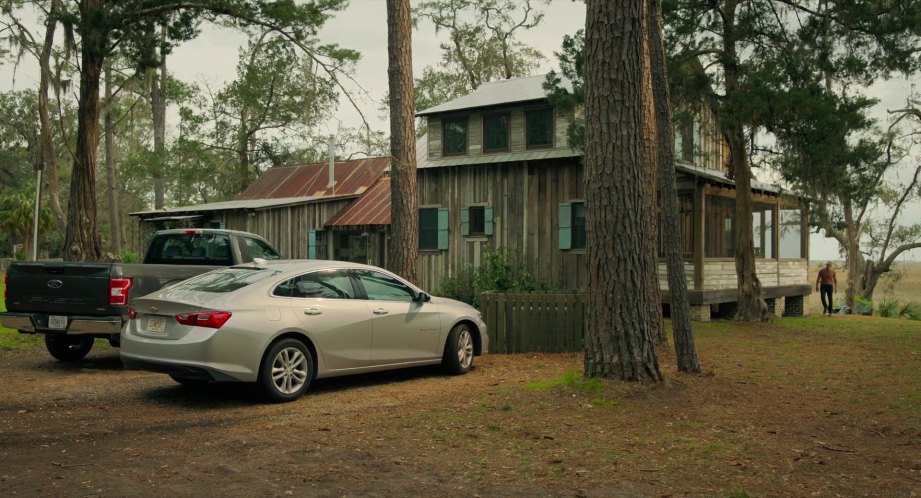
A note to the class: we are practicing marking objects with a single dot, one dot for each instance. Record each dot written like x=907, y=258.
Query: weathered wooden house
x=302, y=213
x=496, y=172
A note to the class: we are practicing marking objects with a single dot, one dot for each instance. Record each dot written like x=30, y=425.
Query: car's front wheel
x=68, y=347
x=458, y=355
x=286, y=370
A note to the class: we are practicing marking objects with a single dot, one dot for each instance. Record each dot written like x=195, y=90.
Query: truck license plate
x=156, y=324
x=57, y=322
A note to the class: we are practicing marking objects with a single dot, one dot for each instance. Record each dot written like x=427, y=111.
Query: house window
x=539, y=126
x=763, y=230
x=433, y=229
x=477, y=221
x=686, y=133
x=719, y=229
x=495, y=132
x=454, y=136
x=572, y=233
x=791, y=234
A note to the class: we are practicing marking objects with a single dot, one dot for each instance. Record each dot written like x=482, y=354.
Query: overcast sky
x=212, y=58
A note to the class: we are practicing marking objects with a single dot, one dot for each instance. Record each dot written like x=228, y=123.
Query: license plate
x=156, y=324
x=57, y=322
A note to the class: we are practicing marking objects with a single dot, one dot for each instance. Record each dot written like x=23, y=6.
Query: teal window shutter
x=465, y=222
x=488, y=229
x=565, y=233
x=312, y=244
x=442, y=229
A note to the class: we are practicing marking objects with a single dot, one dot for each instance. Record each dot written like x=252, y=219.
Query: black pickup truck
x=74, y=303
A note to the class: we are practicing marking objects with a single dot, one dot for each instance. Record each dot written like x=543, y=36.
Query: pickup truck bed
x=74, y=303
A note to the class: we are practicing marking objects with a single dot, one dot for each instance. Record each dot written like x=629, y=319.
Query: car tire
x=68, y=347
x=187, y=382
x=286, y=370
x=458, y=355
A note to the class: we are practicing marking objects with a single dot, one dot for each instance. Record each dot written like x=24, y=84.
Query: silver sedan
x=282, y=324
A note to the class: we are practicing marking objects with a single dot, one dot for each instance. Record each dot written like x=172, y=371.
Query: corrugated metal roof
x=310, y=180
x=239, y=204
x=372, y=208
x=496, y=93
x=531, y=155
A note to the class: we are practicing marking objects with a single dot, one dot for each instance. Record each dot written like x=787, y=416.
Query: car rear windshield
x=225, y=280
x=191, y=249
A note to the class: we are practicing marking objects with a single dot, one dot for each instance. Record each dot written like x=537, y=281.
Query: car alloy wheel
x=464, y=349
x=286, y=370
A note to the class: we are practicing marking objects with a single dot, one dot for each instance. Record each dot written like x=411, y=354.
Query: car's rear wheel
x=458, y=355
x=286, y=370
x=68, y=347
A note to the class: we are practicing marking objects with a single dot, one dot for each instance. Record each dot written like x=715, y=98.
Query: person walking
x=827, y=281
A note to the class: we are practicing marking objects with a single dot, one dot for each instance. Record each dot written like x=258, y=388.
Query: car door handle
x=312, y=311
x=380, y=311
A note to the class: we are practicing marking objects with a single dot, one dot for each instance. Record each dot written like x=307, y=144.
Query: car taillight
x=132, y=314
x=209, y=319
x=192, y=232
x=118, y=291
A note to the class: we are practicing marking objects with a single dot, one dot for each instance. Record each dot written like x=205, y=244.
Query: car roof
x=305, y=264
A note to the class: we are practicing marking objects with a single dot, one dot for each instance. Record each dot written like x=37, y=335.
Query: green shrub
x=128, y=256
x=887, y=308
x=501, y=271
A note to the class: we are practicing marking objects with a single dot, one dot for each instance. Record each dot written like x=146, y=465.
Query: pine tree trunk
x=685, y=350
x=404, y=244
x=81, y=237
x=751, y=306
x=49, y=162
x=111, y=176
x=619, y=343
x=158, y=113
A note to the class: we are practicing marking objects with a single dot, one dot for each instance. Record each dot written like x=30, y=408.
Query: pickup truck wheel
x=68, y=347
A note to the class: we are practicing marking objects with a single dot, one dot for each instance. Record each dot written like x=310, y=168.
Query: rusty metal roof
x=310, y=180
x=372, y=208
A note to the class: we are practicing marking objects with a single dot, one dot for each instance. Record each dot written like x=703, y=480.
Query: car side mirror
x=422, y=297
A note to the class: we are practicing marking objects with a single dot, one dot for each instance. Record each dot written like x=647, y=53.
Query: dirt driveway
x=742, y=429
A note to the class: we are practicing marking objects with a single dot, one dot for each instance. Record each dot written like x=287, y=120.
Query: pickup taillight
x=118, y=291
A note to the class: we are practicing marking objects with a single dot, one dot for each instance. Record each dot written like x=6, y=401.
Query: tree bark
x=856, y=263
x=111, y=176
x=619, y=343
x=158, y=112
x=685, y=350
x=81, y=238
x=651, y=180
x=49, y=161
x=404, y=226
x=751, y=306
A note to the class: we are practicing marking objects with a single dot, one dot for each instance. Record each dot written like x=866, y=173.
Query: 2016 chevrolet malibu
x=283, y=323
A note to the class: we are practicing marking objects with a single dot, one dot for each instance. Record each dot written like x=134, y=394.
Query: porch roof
x=723, y=178
x=371, y=208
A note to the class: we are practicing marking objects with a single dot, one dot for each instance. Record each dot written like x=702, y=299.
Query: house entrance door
x=351, y=246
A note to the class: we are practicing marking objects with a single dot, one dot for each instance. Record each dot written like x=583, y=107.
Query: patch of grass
x=604, y=403
x=571, y=378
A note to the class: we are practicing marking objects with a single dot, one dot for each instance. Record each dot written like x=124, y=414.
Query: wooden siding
x=721, y=273
x=711, y=150
x=286, y=227
x=688, y=273
x=516, y=133
x=524, y=197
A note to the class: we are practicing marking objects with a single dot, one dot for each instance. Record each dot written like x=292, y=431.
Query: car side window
x=259, y=249
x=329, y=284
x=382, y=287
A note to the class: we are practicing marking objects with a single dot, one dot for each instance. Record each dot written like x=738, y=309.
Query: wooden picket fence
x=534, y=321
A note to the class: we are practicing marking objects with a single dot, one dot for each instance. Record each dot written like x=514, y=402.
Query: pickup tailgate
x=59, y=288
